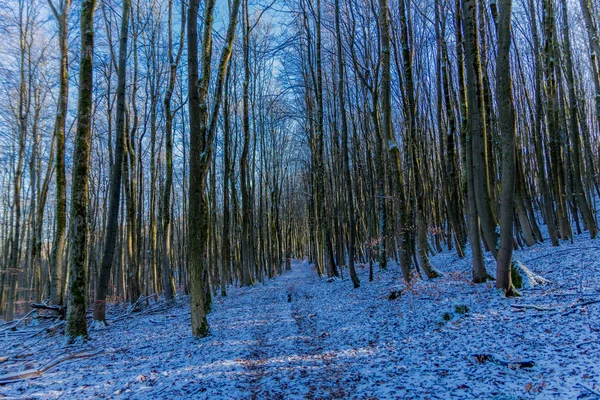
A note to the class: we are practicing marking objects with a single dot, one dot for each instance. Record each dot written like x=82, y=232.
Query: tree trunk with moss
x=473, y=230
x=202, y=134
x=476, y=125
x=76, y=310
x=473, y=114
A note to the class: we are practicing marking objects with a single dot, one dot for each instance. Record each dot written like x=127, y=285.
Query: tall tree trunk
x=167, y=273
x=225, y=240
x=58, y=246
x=116, y=172
x=321, y=202
x=410, y=105
x=508, y=131
x=592, y=31
x=579, y=194
x=76, y=311
x=551, y=54
x=23, y=110
x=450, y=170
x=202, y=134
x=346, y=151
x=467, y=128
x=476, y=125
x=547, y=204
x=248, y=262
x=392, y=147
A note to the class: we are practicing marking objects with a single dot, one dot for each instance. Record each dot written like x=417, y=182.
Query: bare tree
x=202, y=134
x=78, y=226
x=62, y=16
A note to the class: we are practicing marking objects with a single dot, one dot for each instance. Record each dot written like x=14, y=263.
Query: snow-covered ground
x=299, y=336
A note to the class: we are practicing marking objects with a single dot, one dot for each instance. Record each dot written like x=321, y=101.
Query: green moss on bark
x=515, y=276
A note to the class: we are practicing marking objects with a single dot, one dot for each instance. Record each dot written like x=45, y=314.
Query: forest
x=272, y=199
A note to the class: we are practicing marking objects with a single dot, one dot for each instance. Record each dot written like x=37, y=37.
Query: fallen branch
x=36, y=373
x=50, y=329
x=574, y=307
x=533, y=307
x=589, y=389
x=482, y=358
x=578, y=345
x=564, y=311
x=12, y=326
x=61, y=310
x=133, y=307
x=562, y=251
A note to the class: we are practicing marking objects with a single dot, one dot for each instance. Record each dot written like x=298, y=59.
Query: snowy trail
x=302, y=337
x=287, y=346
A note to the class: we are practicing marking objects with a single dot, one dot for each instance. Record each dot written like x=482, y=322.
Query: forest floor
x=300, y=336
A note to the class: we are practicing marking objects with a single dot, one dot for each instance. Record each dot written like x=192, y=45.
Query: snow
x=333, y=341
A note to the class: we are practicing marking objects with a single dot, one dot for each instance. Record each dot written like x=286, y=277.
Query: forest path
x=288, y=345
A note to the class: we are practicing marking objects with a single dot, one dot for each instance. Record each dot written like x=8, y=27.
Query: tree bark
x=557, y=174
x=579, y=192
x=76, y=310
x=508, y=131
x=202, y=134
x=116, y=172
x=346, y=151
x=476, y=125
x=58, y=246
x=465, y=95
x=547, y=204
x=392, y=147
